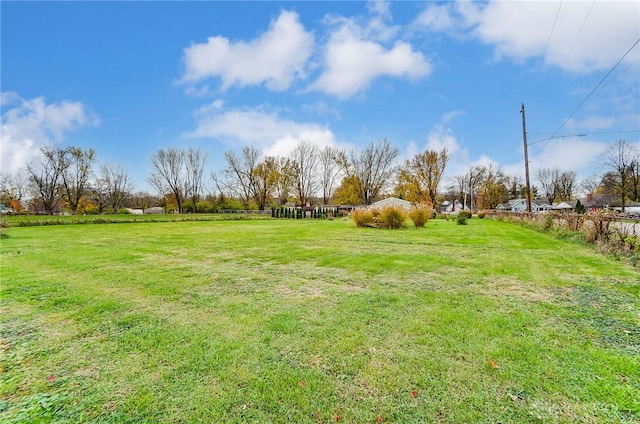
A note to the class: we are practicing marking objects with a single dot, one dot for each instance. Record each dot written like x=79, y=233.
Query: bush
x=548, y=222
x=392, y=217
x=231, y=204
x=464, y=215
x=205, y=207
x=481, y=214
x=443, y=216
x=461, y=219
x=362, y=217
x=419, y=216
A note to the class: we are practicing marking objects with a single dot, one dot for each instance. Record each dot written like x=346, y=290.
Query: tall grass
x=392, y=217
x=362, y=217
x=420, y=216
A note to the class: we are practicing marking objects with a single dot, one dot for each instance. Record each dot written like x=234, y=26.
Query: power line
x=582, y=26
x=553, y=27
x=622, y=72
x=557, y=136
x=614, y=132
x=590, y=93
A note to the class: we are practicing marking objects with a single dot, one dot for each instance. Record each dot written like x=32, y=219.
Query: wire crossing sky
x=129, y=78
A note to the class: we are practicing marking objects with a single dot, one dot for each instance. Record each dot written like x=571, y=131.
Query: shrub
x=461, y=219
x=420, y=215
x=187, y=206
x=362, y=217
x=442, y=216
x=204, y=207
x=548, y=222
x=231, y=204
x=392, y=217
x=481, y=214
x=464, y=214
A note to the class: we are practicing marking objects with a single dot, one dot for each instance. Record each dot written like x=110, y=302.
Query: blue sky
x=129, y=78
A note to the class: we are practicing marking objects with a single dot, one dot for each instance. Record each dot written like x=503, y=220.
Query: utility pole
x=526, y=161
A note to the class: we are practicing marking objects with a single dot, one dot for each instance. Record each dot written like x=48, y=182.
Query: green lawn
x=314, y=321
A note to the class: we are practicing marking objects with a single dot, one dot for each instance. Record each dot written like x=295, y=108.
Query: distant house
x=449, y=207
x=392, y=201
x=565, y=206
x=596, y=202
x=520, y=205
x=5, y=210
x=508, y=206
x=157, y=210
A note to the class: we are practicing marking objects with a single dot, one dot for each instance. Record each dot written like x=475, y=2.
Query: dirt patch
x=500, y=287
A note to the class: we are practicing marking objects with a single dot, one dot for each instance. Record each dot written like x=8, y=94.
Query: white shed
x=392, y=201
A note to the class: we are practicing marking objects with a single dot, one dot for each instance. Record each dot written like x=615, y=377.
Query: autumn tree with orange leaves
x=420, y=176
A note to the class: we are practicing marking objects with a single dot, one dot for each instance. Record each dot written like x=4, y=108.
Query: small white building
x=392, y=201
x=156, y=210
x=452, y=207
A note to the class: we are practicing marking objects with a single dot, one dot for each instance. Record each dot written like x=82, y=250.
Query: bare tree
x=76, y=174
x=470, y=183
x=566, y=185
x=239, y=176
x=13, y=188
x=167, y=174
x=115, y=184
x=304, y=164
x=143, y=200
x=194, y=171
x=371, y=168
x=590, y=184
x=548, y=179
x=329, y=171
x=45, y=175
x=619, y=159
x=99, y=194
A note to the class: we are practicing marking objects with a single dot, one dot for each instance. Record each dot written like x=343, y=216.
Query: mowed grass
x=314, y=321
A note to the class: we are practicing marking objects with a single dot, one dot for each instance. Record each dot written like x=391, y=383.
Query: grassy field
x=315, y=321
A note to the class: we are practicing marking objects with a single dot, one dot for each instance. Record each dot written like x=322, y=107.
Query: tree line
x=69, y=179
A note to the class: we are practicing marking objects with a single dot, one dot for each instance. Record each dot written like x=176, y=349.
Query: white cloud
x=449, y=116
x=260, y=128
x=568, y=154
x=32, y=124
x=8, y=97
x=582, y=40
x=277, y=57
x=437, y=18
x=592, y=123
x=352, y=62
x=380, y=8
x=442, y=138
